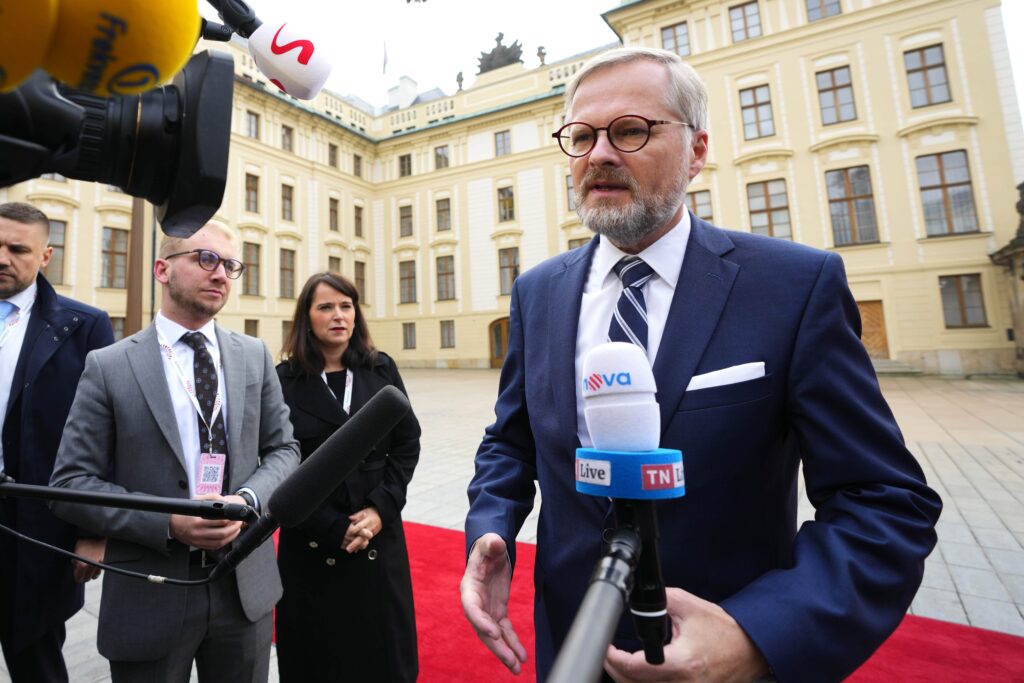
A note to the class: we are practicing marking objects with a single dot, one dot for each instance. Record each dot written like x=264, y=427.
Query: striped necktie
x=629, y=320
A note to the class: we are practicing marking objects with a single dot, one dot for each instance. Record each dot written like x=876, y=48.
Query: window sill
x=954, y=236
x=859, y=246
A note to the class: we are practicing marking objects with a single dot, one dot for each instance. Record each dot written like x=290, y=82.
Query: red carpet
x=920, y=649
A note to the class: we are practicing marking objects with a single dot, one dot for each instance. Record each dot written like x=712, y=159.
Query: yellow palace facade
x=884, y=130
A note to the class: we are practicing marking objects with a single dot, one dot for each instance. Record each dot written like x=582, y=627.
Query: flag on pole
x=385, y=57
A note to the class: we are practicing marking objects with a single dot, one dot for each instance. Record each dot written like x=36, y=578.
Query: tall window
x=962, y=302
x=444, y=214
x=334, y=264
x=405, y=165
x=506, y=204
x=502, y=143
x=445, y=278
x=332, y=154
x=360, y=279
x=252, y=327
x=251, y=274
x=769, y=209
x=408, y=335
x=332, y=214
x=357, y=221
x=56, y=177
x=570, y=193
x=508, y=266
x=676, y=39
x=407, y=282
x=287, y=273
x=851, y=205
x=820, y=9
x=926, y=76
x=441, y=157
x=700, y=204
x=118, y=325
x=286, y=138
x=405, y=221
x=577, y=243
x=54, y=270
x=946, y=193
x=745, y=21
x=115, y=258
x=835, y=96
x=252, y=124
x=756, y=106
x=447, y=334
x=252, y=193
x=286, y=328
x=286, y=202
x=357, y=166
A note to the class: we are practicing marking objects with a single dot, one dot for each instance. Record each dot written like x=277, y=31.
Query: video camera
x=167, y=145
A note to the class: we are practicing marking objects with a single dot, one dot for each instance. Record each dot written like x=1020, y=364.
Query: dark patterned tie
x=629, y=320
x=206, y=393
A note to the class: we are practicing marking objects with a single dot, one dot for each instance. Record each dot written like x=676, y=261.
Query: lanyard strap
x=168, y=352
x=346, y=403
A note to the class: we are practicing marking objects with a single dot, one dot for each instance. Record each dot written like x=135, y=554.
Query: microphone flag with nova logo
x=627, y=466
x=625, y=426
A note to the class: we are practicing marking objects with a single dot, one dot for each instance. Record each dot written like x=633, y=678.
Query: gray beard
x=628, y=225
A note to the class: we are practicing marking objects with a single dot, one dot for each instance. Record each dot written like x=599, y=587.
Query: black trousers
x=40, y=662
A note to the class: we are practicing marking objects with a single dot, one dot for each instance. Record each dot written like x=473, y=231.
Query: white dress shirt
x=169, y=333
x=12, y=336
x=601, y=293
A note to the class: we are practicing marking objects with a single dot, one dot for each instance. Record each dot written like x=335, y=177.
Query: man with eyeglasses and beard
x=755, y=349
x=182, y=409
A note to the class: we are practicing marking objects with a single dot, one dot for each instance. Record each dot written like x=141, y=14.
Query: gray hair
x=686, y=93
x=26, y=214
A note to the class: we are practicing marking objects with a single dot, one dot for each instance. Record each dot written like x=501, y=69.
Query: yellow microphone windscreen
x=26, y=29
x=122, y=47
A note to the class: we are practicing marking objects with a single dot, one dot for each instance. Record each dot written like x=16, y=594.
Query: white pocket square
x=718, y=378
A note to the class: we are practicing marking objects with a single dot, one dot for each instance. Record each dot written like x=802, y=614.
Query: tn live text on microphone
x=79, y=95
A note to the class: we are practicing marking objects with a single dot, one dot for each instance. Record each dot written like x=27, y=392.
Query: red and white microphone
x=290, y=58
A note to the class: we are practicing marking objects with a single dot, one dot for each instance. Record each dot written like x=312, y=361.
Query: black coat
x=37, y=592
x=348, y=617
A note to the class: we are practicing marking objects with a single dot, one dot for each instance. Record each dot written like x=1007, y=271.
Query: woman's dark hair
x=300, y=348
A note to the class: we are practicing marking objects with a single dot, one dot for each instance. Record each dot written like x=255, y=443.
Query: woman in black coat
x=347, y=611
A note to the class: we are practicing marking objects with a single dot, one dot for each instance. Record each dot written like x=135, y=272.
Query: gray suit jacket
x=121, y=436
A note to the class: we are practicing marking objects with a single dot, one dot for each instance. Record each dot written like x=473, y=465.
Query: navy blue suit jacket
x=817, y=601
x=60, y=333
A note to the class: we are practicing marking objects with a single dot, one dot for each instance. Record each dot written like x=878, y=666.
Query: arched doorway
x=498, y=334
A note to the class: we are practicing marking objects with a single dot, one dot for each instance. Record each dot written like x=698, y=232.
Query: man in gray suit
x=184, y=408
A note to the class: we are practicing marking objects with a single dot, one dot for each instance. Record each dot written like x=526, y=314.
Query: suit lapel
x=565, y=296
x=315, y=398
x=233, y=359
x=49, y=326
x=705, y=281
x=146, y=363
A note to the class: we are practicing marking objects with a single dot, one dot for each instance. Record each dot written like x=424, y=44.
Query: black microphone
x=315, y=479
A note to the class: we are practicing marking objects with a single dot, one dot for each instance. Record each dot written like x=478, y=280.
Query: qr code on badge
x=210, y=474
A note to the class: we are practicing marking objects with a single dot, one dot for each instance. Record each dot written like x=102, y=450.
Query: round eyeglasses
x=627, y=133
x=209, y=260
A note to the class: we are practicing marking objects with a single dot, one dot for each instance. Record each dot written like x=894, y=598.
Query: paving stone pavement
x=968, y=436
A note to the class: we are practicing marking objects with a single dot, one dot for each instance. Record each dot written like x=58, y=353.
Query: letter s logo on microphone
x=305, y=48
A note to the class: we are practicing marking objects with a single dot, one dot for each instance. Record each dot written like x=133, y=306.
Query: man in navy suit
x=755, y=349
x=44, y=339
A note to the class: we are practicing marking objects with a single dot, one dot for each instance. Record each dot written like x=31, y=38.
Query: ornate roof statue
x=501, y=55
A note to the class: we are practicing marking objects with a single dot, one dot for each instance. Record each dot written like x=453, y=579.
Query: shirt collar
x=664, y=256
x=24, y=299
x=171, y=331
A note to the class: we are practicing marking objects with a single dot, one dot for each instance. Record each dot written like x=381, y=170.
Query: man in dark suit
x=182, y=409
x=755, y=349
x=44, y=339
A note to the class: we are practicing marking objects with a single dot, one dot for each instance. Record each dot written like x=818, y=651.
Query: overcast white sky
x=432, y=41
